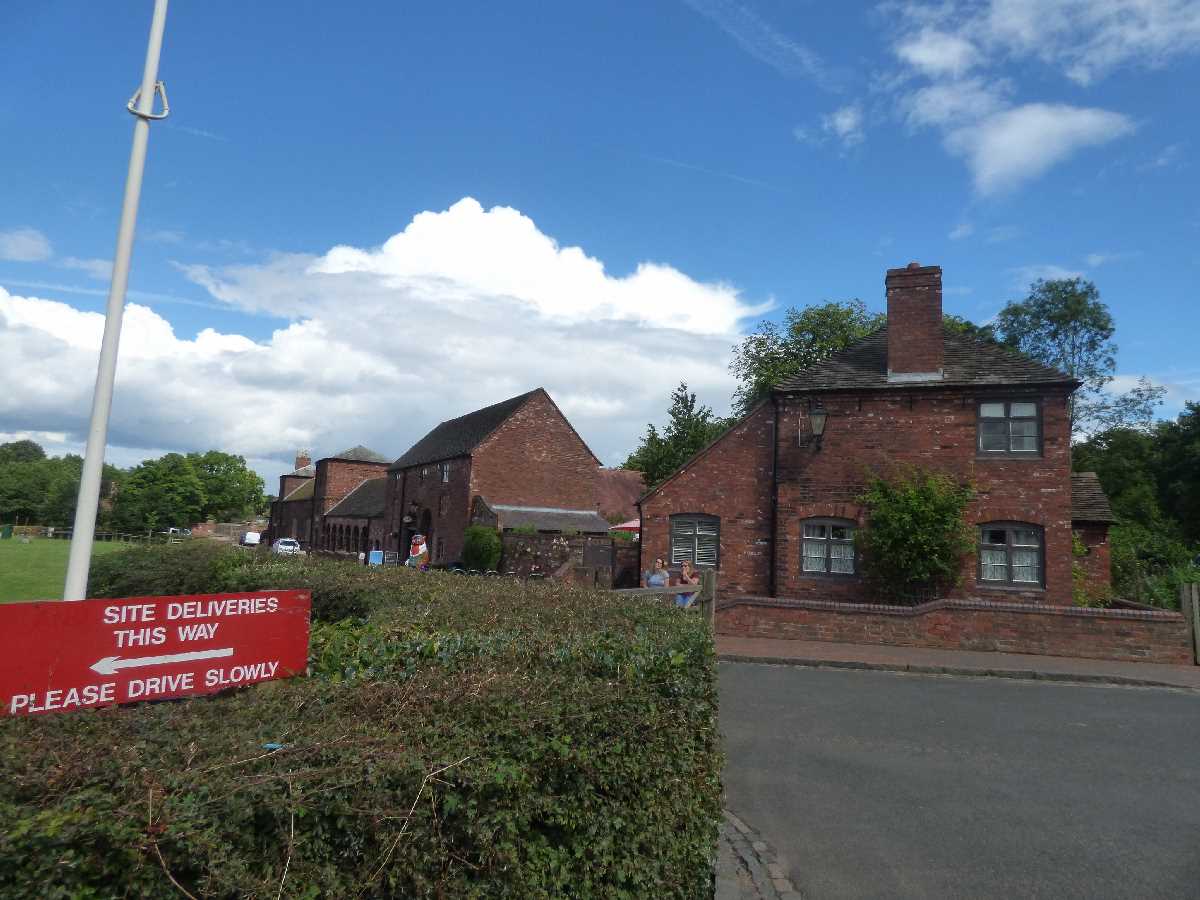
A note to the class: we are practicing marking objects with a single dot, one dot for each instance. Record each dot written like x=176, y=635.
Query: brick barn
x=772, y=506
x=521, y=455
x=312, y=490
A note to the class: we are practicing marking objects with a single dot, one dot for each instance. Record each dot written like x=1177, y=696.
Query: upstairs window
x=1011, y=554
x=1010, y=427
x=828, y=547
x=445, y=471
x=695, y=538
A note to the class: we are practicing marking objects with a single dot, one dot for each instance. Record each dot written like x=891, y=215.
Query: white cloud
x=1024, y=276
x=1169, y=156
x=1010, y=147
x=845, y=124
x=463, y=308
x=1001, y=233
x=949, y=103
x=100, y=269
x=961, y=230
x=24, y=245
x=937, y=53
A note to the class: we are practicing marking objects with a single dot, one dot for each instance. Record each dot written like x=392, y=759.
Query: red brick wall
x=914, y=315
x=536, y=459
x=448, y=505
x=338, y=477
x=292, y=520
x=1128, y=635
x=1097, y=564
x=288, y=483
x=933, y=428
x=369, y=530
x=732, y=480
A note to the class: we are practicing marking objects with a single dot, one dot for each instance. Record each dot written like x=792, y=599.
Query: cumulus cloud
x=936, y=52
x=24, y=245
x=463, y=308
x=1010, y=147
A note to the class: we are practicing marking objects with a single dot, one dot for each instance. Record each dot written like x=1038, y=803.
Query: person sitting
x=687, y=575
x=658, y=576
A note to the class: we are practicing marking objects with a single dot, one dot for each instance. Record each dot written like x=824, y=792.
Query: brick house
x=309, y=492
x=356, y=524
x=521, y=453
x=772, y=505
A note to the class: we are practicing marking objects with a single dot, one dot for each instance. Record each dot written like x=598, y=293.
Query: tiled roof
x=619, y=490
x=304, y=492
x=359, y=454
x=1088, y=501
x=364, y=502
x=546, y=518
x=458, y=437
x=967, y=362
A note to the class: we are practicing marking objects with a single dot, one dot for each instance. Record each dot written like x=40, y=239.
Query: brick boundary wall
x=1156, y=636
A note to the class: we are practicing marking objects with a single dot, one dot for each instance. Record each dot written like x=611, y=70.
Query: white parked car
x=286, y=547
x=250, y=539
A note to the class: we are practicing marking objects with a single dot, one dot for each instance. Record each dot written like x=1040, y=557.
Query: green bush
x=481, y=548
x=916, y=535
x=464, y=738
x=1150, y=564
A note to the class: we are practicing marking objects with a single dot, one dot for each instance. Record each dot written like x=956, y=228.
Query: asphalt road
x=876, y=784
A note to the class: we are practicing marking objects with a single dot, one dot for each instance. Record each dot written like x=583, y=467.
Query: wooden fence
x=705, y=601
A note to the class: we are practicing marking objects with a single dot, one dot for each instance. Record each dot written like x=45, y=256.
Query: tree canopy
x=231, y=491
x=690, y=428
x=1064, y=324
x=807, y=336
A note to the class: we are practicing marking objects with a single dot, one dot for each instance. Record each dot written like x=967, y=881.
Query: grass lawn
x=35, y=571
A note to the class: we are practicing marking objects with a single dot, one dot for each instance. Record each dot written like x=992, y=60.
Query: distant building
x=772, y=504
x=309, y=492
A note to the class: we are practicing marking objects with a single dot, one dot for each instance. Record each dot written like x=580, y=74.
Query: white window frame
x=826, y=542
x=1011, y=546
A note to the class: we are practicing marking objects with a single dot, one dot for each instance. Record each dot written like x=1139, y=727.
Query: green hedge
x=465, y=737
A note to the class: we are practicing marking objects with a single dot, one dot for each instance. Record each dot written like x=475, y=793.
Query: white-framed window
x=1011, y=553
x=827, y=547
x=444, y=468
x=1010, y=427
x=696, y=538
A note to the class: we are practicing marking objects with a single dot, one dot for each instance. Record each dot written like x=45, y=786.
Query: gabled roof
x=359, y=453
x=458, y=437
x=619, y=490
x=305, y=471
x=967, y=362
x=1088, y=500
x=364, y=502
x=547, y=518
x=304, y=492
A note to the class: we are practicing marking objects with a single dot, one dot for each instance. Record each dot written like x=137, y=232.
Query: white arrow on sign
x=110, y=665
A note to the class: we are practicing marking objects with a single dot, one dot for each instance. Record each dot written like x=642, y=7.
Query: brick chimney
x=914, y=323
x=303, y=458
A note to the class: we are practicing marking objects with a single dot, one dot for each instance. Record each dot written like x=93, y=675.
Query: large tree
x=1064, y=324
x=21, y=451
x=158, y=494
x=1179, y=470
x=807, y=336
x=231, y=491
x=690, y=427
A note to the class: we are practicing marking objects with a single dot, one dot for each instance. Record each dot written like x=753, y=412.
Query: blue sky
x=598, y=198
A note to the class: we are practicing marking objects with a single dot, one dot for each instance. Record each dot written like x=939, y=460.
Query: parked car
x=250, y=539
x=286, y=547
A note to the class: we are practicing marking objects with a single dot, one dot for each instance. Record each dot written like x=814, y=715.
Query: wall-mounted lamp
x=816, y=421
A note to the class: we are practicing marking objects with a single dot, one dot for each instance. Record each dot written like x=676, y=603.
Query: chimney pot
x=303, y=458
x=914, y=315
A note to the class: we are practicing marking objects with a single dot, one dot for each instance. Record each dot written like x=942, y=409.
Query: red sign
x=58, y=656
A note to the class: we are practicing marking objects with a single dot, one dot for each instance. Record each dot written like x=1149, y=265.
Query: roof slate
x=1088, y=500
x=458, y=437
x=967, y=362
x=364, y=502
x=545, y=518
x=304, y=492
x=359, y=453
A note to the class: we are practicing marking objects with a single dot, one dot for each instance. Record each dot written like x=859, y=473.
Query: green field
x=35, y=571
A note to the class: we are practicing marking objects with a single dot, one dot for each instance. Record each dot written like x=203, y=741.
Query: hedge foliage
x=481, y=548
x=458, y=737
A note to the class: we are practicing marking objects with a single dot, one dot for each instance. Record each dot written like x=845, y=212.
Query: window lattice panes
x=1009, y=427
x=1011, y=554
x=828, y=548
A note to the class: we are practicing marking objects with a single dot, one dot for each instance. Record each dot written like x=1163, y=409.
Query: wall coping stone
x=1163, y=615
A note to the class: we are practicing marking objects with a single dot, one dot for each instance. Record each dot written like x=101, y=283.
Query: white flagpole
x=93, y=461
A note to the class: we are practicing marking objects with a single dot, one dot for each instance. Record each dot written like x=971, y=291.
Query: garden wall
x=1158, y=636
